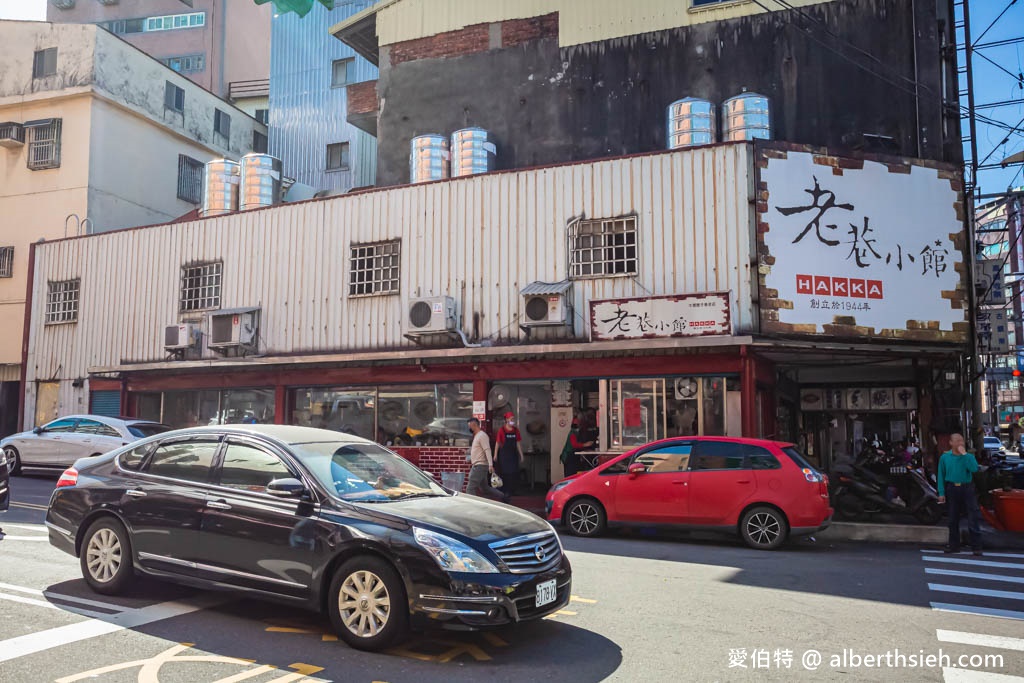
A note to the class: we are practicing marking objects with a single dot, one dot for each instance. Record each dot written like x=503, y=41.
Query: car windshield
x=364, y=472
x=991, y=440
x=144, y=429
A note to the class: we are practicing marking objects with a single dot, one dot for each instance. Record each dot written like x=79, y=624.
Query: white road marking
x=31, y=643
x=63, y=597
x=31, y=527
x=30, y=506
x=49, y=605
x=5, y=537
x=981, y=592
x=974, y=575
x=964, y=609
x=987, y=554
x=953, y=675
x=976, y=563
x=981, y=640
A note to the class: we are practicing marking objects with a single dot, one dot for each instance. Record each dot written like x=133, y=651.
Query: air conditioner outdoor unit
x=12, y=134
x=180, y=337
x=234, y=328
x=545, y=304
x=432, y=314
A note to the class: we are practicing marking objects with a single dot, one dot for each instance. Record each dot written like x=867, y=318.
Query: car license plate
x=546, y=592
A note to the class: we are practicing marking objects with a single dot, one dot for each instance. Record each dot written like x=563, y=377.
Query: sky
x=23, y=9
x=991, y=83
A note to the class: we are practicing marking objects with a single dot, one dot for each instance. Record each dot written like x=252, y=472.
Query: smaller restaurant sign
x=683, y=315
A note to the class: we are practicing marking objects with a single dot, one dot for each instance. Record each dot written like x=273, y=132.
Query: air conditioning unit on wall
x=546, y=304
x=432, y=314
x=180, y=337
x=236, y=328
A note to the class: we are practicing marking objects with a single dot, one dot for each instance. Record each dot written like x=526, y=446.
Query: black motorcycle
x=866, y=487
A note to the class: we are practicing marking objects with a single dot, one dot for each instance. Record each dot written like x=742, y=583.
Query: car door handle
x=135, y=493
x=742, y=481
x=684, y=483
x=217, y=505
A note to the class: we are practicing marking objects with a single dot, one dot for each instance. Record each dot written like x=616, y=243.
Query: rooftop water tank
x=428, y=158
x=690, y=121
x=745, y=117
x=220, y=187
x=261, y=181
x=472, y=152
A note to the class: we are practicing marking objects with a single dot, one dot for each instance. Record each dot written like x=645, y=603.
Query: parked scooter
x=861, y=489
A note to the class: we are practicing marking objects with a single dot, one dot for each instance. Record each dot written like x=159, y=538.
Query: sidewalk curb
x=885, y=533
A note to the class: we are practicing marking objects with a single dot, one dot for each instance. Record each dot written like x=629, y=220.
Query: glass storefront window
x=247, y=406
x=209, y=407
x=347, y=410
x=713, y=414
x=644, y=410
x=637, y=412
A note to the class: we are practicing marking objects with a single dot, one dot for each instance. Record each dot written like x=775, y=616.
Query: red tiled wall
x=437, y=459
x=465, y=41
x=362, y=98
x=519, y=31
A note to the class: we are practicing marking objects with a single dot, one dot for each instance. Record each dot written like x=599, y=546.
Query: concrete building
x=310, y=71
x=584, y=80
x=219, y=45
x=94, y=136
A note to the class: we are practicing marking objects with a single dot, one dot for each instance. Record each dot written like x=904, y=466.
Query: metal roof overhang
x=632, y=347
x=785, y=352
x=359, y=32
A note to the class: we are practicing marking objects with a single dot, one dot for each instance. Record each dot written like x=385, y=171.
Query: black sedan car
x=315, y=518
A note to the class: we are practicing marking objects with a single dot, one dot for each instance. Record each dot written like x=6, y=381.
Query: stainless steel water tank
x=472, y=152
x=261, y=181
x=428, y=158
x=220, y=187
x=691, y=121
x=746, y=116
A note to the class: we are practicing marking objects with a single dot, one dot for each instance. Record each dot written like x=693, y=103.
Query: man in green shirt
x=956, y=472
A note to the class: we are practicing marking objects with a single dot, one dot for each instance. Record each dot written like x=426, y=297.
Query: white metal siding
x=478, y=239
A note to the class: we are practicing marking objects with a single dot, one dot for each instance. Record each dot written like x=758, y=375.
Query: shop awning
x=359, y=31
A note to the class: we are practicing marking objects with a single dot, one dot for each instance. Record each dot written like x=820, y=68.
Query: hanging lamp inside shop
x=300, y=7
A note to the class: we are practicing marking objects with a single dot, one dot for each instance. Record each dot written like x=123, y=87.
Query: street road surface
x=645, y=608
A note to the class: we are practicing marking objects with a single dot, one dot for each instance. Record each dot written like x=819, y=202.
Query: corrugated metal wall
x=306, y=113
x=478, y=239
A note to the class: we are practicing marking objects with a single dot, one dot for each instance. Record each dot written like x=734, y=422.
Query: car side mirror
x=38, y=430
x=286, y=488
x=637, y=468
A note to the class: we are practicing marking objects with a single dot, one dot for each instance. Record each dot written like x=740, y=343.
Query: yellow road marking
x=301, y=627
x=561, y=612
x=149, y=669
x=494, y=639
x=304, y=670
x=460, y=649
x=259, y=671
x=585, y=601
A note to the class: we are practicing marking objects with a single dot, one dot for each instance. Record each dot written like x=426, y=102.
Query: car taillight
x=812, y=476
x=69, y=478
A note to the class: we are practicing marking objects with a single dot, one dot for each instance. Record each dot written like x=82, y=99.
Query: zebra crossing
x=988, y=586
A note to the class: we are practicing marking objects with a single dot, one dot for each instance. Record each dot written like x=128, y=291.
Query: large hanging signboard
x=859, y=248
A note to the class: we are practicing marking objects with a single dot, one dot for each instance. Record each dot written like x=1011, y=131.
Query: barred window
x=62, y=301
x=174, y=97
x=6, y=261
x=222, y=123
x=200, y=286
x=44, y=144
x=603, y=247
x=374, y=268
x=190, y=179
x=186, y=64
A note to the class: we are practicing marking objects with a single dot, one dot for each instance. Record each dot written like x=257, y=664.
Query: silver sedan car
x=61, y=442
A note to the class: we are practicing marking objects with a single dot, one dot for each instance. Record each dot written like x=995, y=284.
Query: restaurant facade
x=763, y=290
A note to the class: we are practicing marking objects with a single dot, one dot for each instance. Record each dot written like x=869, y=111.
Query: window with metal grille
x=187, y=64
x=374, y=268
x=6, y=261
x=222, y=123
x=44, y=145
x=200, y=286
x=174, y=97
x=263, y=116
x=342, y=72
x=337, y=156
x=62, y=301
x=44, y=63
x=603, y=247
x=190, y=179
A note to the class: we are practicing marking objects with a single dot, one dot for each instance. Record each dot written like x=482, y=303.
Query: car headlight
x=560, y=485
x=452, y=555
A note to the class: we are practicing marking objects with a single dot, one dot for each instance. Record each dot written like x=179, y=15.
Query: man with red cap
x=509, y=444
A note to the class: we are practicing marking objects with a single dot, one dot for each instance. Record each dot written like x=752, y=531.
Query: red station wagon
x=763, y=490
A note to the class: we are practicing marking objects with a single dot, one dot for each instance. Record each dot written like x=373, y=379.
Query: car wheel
x=13, y=459
x=106, y=557
x=367, y=604
x=929, y=513
x=764, y=528
x=586, y=517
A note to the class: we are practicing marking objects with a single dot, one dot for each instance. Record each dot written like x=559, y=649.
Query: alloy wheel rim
x=103, y=555
x=12, y=459
x=763, y=528
x=364, y=603
x=584, y=518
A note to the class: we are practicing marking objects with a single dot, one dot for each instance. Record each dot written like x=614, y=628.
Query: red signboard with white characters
x=845, y=287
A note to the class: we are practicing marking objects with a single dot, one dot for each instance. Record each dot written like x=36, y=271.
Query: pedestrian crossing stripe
x=953, y=675
x=980, y=592
x=979, y=611
x=980, y=639
x=973, y=575
x=975, y=563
